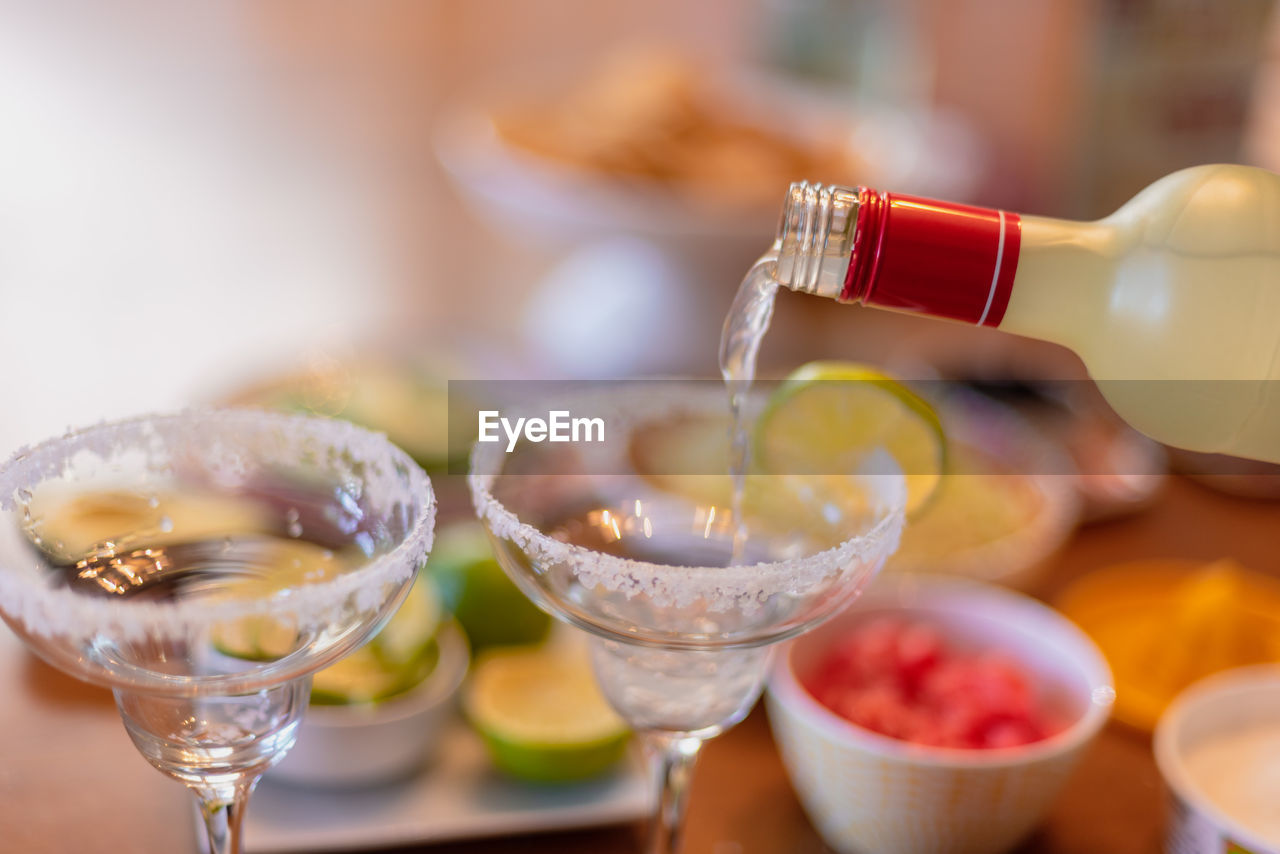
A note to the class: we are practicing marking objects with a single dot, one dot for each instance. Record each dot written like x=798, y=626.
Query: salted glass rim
x=723, y=587
x=58, y=612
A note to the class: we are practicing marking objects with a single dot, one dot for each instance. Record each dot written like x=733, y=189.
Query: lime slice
x=489, y=607
x=396, y=659
x=458, y=543
x=288, y=564
x=828, y=417
x=541, y=715
x=363, y=677
x=255, y=638
x=239, y=638
x=412, y=412
x=354, y=679
x=411, y=407
x=411, y=629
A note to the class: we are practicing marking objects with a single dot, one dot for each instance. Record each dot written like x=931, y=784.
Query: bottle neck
x=815, y=238
x=899, y=252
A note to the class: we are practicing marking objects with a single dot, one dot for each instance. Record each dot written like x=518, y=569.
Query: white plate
x=459, y=796
x=926, y=152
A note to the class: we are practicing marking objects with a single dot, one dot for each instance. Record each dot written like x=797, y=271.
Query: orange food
x=1164, y=624
x=659, y=118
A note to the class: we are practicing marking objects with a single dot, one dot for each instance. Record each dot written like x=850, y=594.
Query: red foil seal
x=930, y=257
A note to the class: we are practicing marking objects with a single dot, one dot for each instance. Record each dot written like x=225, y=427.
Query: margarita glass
x=203, y=566
x=636, y=551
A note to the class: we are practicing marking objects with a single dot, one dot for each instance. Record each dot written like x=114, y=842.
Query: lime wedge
x=239, y=638
x=357, y=678
x=541, y=715
x=489, y=607
x=409, y=405
x=396, y=659
x=287, y=564
x=412, y=628
x=413, y=413
x=363, y=677
x=828, y=417
x=257, y=638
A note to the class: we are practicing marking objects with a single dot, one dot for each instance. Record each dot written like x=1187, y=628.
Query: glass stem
x=674, y=756
x=223, y=811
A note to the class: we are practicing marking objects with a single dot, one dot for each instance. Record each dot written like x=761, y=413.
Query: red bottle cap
x=937, y=258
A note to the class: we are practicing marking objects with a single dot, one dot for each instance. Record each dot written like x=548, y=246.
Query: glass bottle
x=1172, y=302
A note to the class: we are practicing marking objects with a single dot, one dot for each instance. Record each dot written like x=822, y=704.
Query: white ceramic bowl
x=341, y=746
x=659, y=267
x=925, y=152
x=1228, y=702
x=870, y=794
x=1022, y=466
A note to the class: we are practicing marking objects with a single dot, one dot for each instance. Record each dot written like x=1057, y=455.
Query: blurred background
x=198, y=197
x=339, y=206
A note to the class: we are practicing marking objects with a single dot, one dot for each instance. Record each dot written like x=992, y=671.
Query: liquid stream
x=744, y=330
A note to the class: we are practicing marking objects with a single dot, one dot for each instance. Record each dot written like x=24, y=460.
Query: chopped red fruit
x=902, y=680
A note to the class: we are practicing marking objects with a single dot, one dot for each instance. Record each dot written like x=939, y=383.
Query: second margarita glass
x=632, y=543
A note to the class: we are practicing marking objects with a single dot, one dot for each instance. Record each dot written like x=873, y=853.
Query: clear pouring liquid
x=744, y=330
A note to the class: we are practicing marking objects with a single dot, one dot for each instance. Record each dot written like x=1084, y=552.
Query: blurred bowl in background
x=396, y=397
x=405, y=395
x=666, y=183
x=871, y=794
x=362, y=745
x=656, y=147
x=1005, y=507
x=1120, y=472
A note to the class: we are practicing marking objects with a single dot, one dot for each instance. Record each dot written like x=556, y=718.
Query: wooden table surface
x=71, y=782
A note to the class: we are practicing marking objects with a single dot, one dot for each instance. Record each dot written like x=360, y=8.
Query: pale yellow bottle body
x=1173, y=304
